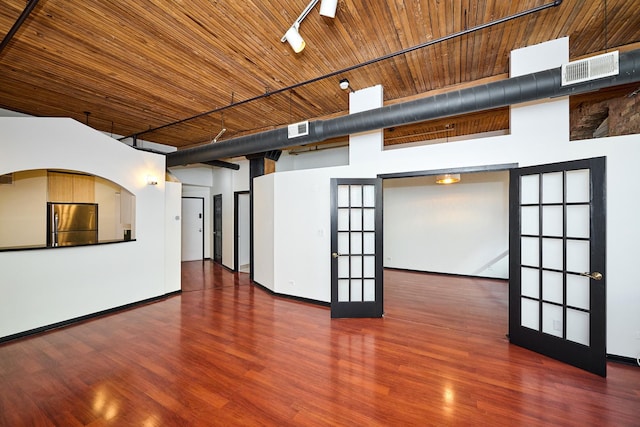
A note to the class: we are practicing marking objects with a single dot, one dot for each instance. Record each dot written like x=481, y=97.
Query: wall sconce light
x=448, y=178
x=152, y=180
x=327, y=8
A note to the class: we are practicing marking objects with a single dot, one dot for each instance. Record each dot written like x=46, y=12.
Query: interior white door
x=192, y=228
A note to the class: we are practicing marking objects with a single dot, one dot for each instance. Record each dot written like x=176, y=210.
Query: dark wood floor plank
x=227, y=353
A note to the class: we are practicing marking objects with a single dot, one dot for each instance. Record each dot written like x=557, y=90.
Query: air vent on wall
x=590, y=68
x=298, y=129
x=6, y=179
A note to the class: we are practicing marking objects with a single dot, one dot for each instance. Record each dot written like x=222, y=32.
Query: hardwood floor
x=227, y=353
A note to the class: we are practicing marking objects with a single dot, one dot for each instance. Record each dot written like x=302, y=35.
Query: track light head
x=214, y=140
x=294, y=38
x=327, y=8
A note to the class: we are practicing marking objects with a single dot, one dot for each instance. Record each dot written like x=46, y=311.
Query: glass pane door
x=557, y=261
x=356, y=289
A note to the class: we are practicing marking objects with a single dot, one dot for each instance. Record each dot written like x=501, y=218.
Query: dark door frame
x=433, y=172
x=236, y=229
x=359, y=307
x=215, y=230
x=592, y=356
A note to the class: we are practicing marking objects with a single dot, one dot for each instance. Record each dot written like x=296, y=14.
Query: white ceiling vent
x=298, y=129
x=590, y=68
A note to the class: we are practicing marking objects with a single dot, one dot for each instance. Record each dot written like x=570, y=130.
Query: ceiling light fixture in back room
x=448, y=178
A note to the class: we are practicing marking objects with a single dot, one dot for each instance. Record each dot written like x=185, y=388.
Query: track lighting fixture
x=222, y=130
x=214, y=140
x=327, y=8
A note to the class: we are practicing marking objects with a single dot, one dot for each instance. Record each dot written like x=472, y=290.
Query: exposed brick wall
x=624, y=116
x=586, y=118
x=623, y=113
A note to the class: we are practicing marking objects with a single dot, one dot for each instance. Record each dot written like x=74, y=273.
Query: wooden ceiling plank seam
x=477, y=18
x=439, y=30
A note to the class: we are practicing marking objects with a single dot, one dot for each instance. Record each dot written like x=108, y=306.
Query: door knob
x=595, y=275
x=335, y=254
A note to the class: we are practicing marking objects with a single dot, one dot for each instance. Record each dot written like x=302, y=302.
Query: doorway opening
x=242, y=234
x=551, y=222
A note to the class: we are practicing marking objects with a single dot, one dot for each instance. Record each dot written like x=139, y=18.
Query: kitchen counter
x=34, y=247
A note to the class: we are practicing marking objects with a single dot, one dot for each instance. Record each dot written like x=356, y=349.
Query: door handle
x=595, y=275
x=336, y=254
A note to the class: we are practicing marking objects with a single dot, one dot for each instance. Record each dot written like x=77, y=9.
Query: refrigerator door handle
x=55, y=229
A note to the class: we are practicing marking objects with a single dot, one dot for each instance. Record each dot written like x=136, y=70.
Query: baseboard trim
x=293, y=297
x=624, y=360
x=91, y=316
x=446, y=274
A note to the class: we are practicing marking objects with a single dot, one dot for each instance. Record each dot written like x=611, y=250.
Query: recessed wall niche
x=24, y=203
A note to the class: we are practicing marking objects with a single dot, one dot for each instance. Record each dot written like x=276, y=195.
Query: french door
x=557, y=262
x=356, y=248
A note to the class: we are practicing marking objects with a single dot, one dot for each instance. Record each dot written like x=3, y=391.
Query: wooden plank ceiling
x=125, y=67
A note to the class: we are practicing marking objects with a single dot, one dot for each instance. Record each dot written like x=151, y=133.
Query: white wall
x=313, y=159
x=458, y=229
x=197, y=182
x=8, y=113
x=173, y=237
x=206, y=182
x=45, y=286
x=264, y=230
x=539, y=134
x=23, y=209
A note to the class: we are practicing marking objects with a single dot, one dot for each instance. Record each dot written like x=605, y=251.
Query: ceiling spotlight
x=294, y=38
x=344, y=84
x=327, y=8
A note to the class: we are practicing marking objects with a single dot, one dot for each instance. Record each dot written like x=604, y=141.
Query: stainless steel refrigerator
x=70, y=224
